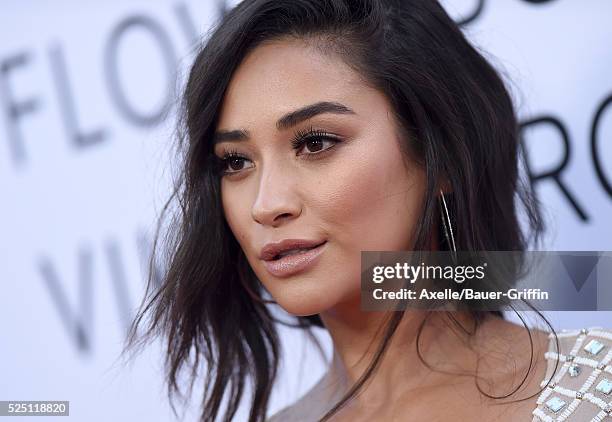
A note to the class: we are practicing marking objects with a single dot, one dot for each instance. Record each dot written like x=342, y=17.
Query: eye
x=313, y=140
x=232, y=162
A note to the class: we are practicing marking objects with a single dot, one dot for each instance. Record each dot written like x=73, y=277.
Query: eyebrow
x=288, y=120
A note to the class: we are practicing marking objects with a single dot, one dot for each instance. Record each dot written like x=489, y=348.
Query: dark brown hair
x=459, y=121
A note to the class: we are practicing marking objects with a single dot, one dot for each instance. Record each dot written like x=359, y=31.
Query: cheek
x=233, y=201
x=369, y=205
x=364, y=205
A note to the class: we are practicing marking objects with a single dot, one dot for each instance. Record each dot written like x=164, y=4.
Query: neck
x=356, y=336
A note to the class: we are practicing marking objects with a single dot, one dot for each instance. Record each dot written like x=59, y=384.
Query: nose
x=277, y=200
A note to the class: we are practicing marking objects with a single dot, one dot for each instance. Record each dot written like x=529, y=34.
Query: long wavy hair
x=458, y=120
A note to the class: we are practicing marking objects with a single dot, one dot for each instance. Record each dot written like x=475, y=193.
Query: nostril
x=284, y=215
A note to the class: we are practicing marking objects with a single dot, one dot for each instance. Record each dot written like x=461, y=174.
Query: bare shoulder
x=513, y=364
x=309, y=407
x=302, y=410
x=282, y=415
x=570, y=377
x=292, y=412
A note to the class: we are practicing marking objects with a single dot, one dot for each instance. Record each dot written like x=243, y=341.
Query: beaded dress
x=581, y=388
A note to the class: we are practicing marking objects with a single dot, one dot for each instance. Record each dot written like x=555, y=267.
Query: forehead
x=282, y=75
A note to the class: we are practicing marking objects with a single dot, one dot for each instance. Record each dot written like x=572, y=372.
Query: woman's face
x=347, y=185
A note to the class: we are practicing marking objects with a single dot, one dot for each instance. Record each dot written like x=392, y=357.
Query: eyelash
x=297, y=142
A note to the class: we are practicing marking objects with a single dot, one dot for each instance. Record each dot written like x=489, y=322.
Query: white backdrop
x=86, y=113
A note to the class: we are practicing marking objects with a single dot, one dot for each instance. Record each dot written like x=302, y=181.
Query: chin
x=305, y=303
x=302, y=306
x=312, y=292
x=302, y=309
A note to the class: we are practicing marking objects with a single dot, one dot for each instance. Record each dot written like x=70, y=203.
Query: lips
x=292, y=256
x=291, y=252
x=274, y=251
